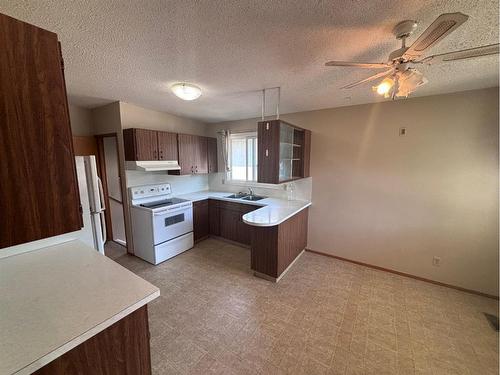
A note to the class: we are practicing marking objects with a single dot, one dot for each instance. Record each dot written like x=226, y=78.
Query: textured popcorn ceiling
x=134, y=50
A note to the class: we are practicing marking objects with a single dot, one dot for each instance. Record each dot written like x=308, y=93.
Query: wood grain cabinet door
x=214, y=217
x=167, y=146
x=39, y=190
x=201, y=165
x=187, y=153
x=212, y=155
x=230, y=223
x=200, y=220
x=146, y=144
x=268, y=150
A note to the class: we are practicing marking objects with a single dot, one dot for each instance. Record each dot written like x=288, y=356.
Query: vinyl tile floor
x=324, y=317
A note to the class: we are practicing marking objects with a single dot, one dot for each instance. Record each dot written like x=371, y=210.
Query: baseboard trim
x=405, y=274
x=277, y=279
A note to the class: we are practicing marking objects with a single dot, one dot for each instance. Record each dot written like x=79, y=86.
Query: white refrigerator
x=93, y=232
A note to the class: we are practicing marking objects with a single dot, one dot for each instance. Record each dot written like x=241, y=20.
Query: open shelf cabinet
x=284, y=152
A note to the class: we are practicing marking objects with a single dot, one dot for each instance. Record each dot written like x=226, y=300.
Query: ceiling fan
x=400, y=75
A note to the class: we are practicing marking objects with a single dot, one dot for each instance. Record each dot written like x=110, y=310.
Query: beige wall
x=397, y=202
x=133, y=116
x=81, y=120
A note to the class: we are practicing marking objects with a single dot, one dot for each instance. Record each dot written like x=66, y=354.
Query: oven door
x=169, y=224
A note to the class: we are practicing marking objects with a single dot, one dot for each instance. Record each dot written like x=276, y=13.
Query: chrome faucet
x=251, y=191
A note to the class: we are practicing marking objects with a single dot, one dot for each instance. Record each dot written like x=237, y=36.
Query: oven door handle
x=174, y=211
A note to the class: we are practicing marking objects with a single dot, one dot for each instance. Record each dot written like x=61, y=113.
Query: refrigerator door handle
x=101, y=194
x=103, y=227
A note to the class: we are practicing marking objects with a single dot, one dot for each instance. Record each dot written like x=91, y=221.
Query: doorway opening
x=109, y=168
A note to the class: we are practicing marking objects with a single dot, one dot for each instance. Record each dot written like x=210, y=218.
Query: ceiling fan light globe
x=385, y=86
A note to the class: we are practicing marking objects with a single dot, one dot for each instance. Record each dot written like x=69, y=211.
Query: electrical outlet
x=436, y=261
x=402, y=132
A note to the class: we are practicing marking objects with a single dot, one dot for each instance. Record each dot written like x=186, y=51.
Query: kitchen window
x=243, y=156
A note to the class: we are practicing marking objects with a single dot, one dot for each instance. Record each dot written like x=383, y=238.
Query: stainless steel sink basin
x=253, y=198
x=237, y=196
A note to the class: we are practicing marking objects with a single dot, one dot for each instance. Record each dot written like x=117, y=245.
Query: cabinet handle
x=267, y=152
x=267, y=126
x=161, y=154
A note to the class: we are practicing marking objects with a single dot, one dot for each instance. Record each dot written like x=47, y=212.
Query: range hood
x=153, y=165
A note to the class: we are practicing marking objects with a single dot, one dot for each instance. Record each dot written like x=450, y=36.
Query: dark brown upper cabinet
x=188, y=157
x=212, y=155
x=39, y=195
x=167, y=146
x=283, y=152
x=201, y=155
x=194, y=154
x=144, y=144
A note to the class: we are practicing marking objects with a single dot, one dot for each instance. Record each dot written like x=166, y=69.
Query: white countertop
x=55, y=298
x=274, y=211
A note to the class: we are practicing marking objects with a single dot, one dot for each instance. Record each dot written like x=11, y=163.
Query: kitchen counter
x=55, y=298
x=274, y=211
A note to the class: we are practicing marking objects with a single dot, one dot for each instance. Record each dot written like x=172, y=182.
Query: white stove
x=162, y=226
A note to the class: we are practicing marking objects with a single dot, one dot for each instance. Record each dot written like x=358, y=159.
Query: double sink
x=246, y=197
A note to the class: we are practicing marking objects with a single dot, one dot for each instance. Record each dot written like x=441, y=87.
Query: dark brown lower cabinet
x=122, y=348
x=275, y=248
x=229, y=223
x=225, y=220
x=232, y=226
x=200, y=220
x=214, y=217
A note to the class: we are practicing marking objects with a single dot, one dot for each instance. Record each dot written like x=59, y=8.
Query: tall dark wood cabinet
x=283, y=152
x=39, y=190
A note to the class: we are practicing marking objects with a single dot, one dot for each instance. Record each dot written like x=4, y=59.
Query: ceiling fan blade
x=441, y=27
x=357, y=64
x=491, y=49
x=371, y=78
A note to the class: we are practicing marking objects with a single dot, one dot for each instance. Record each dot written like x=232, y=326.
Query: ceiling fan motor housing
x=397, y=54
x=404, y=29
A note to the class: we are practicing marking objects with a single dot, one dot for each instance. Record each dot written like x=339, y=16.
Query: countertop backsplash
x=180, y=184
x=301, y=189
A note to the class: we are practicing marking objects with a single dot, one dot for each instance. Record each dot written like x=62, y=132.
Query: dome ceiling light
x=186, y=91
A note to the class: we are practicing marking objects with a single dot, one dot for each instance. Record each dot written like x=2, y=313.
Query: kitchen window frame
x=247, y=135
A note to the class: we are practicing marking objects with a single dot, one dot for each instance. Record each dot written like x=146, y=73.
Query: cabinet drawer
x=229, y=206
x=246, y=208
